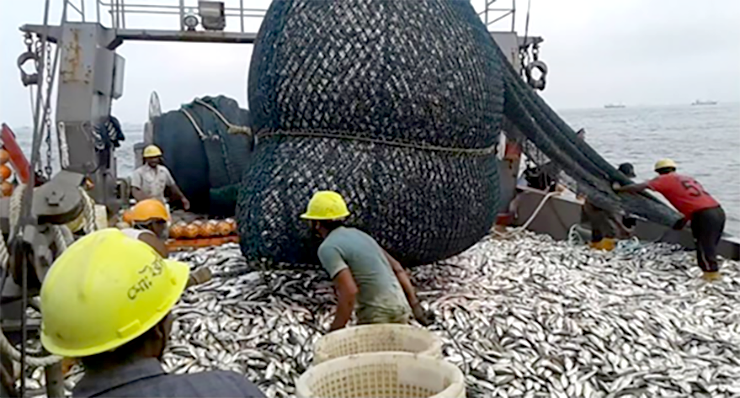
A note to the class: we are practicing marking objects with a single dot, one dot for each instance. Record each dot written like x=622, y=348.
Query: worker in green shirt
x=364, y=274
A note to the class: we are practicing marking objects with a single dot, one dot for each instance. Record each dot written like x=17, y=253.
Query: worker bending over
x=363, y=272
x=607, y=226
x=150, y=221
x=150, y=180
x=107, y=300
x=698, y=207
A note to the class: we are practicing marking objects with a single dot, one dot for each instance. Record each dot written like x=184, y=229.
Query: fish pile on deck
x=521, y=317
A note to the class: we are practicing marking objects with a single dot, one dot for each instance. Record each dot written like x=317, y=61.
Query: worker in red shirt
x=698, y=207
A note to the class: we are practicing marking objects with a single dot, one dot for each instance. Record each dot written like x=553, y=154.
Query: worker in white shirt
x=150, y=180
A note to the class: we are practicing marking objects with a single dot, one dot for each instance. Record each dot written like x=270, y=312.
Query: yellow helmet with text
x=104, y=291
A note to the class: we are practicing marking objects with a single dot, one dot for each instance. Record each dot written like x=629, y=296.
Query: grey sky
x=636, y=52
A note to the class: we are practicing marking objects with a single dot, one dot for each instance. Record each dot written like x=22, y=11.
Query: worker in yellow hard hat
x=364, y=274
x=698, y=207
x=150, y=224
x=107, y=300
x=150, y=180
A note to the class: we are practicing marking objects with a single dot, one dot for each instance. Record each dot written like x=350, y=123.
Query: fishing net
x=587, y=171
x=398, y=115
x=202, y=154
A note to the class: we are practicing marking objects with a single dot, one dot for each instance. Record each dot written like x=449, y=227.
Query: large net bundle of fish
x=368, y=98
x=203, y=156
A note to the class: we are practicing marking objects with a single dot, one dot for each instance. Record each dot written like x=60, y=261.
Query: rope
x=202, y=136
x=233, y=129
x=16, y=201
x=434, y=148
x=7, y=348
x=89, y=212
x=516, y=231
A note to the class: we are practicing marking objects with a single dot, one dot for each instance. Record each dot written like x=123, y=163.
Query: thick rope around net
x=232, y=128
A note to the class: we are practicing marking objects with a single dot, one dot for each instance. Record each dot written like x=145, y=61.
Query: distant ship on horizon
x=699, y=102
x=613, y=106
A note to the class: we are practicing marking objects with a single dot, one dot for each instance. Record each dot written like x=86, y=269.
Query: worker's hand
x=422, y=316
x=616, y=186
x=335, y=327
x=185, y=204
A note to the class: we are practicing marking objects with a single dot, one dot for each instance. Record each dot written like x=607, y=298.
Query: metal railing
x=495, y=13
x=118, y=14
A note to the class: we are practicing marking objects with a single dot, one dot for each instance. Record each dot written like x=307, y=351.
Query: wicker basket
x=377, y=338
x=382, y=375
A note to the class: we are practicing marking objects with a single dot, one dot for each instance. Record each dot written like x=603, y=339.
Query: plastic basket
x=382, y=375
x=377, y=338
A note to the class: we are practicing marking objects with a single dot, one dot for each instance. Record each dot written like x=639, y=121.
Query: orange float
x=224, y=228
x=177, y=230
x=6, y=188
x=5, y=172
x=192, y=230
x=210, y=229
x=4, y=156
x=232, y=224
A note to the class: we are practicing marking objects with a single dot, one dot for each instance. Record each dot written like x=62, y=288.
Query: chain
x=535, y=52
x=47, y=121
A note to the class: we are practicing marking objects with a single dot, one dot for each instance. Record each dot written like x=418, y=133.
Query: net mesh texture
x=366, y=98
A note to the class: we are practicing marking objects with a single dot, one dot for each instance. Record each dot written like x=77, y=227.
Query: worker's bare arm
x=633, y=188
x=180, y=196
x=155, y=243
x=403, y=279
x=346, y=292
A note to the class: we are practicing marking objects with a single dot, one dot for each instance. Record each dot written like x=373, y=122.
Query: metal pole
x=182, y=14
x=513, y=15
x=25, y=216
x=241, y=13
x=123, y=13
x=82, y=6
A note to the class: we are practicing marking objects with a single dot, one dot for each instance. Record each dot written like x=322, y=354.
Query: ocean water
x=703, y=140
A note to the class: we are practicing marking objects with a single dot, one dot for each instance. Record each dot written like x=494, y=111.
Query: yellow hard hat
x=664, y=164
x=104, y=291
x=148, y=209
x=326, y=205
x=152, y=151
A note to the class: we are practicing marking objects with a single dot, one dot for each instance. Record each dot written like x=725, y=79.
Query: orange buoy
x=4, y=156
x=232, y=224
x=224, y=228
x=6, y=188
x=210, y=229
x=192, y=230
x=5, y=172
x=178, y=230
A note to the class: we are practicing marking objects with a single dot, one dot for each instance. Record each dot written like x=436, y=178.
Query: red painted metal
x=17, y=158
